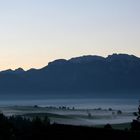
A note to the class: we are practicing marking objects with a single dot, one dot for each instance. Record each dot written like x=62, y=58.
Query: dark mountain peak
x=86, y=59
x=7, y=71
x=10, y=71
x=122, y=57
x=58, y=62
x=117, y=72
x=19, y=70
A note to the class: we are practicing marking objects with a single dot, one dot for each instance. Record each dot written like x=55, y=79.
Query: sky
x=35, y=32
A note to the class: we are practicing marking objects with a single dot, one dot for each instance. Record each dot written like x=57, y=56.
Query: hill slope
x=117, y=72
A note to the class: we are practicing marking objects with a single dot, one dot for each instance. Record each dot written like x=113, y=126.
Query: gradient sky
x=34, y=32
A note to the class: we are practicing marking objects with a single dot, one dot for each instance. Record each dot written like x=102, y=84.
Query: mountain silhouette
x=94, y=74
x=16, y=71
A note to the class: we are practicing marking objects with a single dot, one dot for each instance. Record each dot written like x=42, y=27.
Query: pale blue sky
x=34, y=32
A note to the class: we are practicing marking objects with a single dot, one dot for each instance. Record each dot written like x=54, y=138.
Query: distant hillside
x=117, y=72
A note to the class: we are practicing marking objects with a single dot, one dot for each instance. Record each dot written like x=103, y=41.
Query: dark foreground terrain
x=18, y=128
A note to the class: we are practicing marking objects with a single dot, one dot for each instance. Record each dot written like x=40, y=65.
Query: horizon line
x=67, y=60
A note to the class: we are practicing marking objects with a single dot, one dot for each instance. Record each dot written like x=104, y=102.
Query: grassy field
x=69, y=116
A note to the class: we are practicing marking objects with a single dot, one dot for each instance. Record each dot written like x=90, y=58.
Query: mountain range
x=118, y=73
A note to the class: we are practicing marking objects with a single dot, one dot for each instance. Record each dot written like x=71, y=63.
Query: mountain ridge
x=85, y=58
x=91, y=73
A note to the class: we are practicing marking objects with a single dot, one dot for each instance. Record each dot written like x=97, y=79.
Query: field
x=96, y=117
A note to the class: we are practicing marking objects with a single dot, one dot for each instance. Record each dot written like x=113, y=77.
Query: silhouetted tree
x=108, y=126
x=119, y=112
